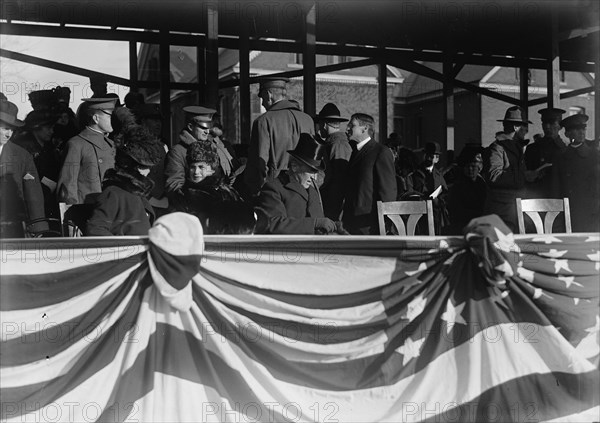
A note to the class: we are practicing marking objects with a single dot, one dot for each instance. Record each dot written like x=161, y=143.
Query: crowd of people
x=108, y=167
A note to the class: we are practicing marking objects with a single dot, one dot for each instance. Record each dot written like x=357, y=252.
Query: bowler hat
x=514, y=114
x=309, y=151
x=578, y=120
x=433, y=148
x=200, y=113
x=273, y=81
x=8, y=114
x=551, y=114
x=330, y=112
x=37, y=118
x=100, y=103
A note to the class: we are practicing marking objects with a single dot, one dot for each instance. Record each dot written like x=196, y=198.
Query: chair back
x=552, y=207
x=394, y=210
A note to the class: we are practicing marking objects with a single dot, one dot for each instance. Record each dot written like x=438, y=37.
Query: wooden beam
x=524, y=91
x=382, y=97
x=309, y=61
x=449, y=73
x=201, y=72
x=244, y=91
x=553, y=70
x=597, y=94
x=569, y=94
x=133, y=66
x=212, y=56
x=164, y=59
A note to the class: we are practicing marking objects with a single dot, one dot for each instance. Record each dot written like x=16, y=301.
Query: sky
x=17, y=78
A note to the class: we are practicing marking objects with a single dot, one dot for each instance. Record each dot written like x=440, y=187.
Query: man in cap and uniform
x=20, y=188
x=290, y=204
x=504, y=168
x=336, y=158
x=577, y=176
x=274, y=133
x=543, y=152
x=88, y=155
x=199, y=125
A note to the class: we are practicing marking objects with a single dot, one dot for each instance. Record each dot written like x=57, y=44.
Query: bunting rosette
x=178, y=326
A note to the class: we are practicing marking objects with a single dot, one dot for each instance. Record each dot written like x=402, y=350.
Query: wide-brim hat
x=37, y=118
x=8, y=114
x=43, y=99
x=514, y=114
x=330, y=112
x=147, y=153
x=309, y=151
x=578, y=120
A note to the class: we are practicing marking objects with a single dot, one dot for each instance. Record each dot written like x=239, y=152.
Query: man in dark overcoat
x=577, y=176
x=504, y=168
x=291, y=204
x=88, y=155
x=336, y=158
x=371, y=177
x=274, y=133
x=20, y=189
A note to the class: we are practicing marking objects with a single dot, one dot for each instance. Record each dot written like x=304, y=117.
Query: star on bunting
x=422, y=266
x=410, y=349
x=505, y=269
x=505, y=243
x=415, y=307
x=554, y=253
x=526, y=274
x=590, y=345
x=569, y=280
x=593, y=238
x=561, y=264
x=452, y=315
x=576, y=301
x=549, y=239
x=595, y=256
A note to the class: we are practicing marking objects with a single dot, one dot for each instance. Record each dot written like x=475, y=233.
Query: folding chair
x=552, y=208
x=74, y=218
x=394, y=210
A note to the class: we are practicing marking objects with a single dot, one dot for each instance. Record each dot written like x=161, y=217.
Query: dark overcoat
x=338, y=152
x=286, y=207
x=371, y=178
x=273, y=134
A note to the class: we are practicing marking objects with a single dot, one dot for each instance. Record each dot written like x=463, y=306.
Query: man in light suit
x=371, y=177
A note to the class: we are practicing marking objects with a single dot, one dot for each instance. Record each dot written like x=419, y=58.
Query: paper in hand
x=437, y=192
x=544, y=166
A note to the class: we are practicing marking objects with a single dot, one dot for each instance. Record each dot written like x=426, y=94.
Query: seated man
x=290, y=204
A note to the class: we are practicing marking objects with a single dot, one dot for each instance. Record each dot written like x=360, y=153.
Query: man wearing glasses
x=198, y=129
x=88, y=155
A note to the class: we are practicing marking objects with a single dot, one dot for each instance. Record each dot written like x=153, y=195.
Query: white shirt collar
x=361, y=144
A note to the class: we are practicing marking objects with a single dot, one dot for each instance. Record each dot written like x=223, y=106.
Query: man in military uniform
x=542, y=153
x=89, y=154
x=577, y=176
x=274, y=133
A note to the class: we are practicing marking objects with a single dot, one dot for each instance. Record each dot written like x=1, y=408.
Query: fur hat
x=141, y=146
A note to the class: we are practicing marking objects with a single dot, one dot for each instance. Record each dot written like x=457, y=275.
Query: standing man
x=336, y=158
x=504, y=168
x=577, y=176
x=199, y=124
x=274, y=133
x=20, y=190
x=88, y=155
x=543, y=153
x=371, y=177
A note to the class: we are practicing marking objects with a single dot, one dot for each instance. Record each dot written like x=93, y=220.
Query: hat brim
x=514, y=121
x=16, y=123
x=335, y=118
x=312, y=163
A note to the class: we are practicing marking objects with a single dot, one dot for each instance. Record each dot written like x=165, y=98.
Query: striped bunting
x=491, y=328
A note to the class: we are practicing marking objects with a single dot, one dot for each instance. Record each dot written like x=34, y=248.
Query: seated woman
x=204, y=190
x=123, y=208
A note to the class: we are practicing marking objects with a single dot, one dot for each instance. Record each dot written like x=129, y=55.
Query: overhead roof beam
x=568, y=94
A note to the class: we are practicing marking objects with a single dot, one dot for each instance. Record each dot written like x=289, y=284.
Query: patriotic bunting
x=180, y=327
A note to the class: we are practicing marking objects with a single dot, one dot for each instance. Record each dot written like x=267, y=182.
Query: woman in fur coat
x=123, y=208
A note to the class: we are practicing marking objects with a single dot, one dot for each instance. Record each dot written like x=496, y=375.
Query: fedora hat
x=309, y=151
x=330, y=112
x=514, y=114
x=433, y=148
x=8, y=114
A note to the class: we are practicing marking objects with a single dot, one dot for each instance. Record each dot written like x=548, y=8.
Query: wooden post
x=212, y=56
x=382, y=91
x=524, y=91
x=597, y=95
x=448, y=89
x=201, y=72
x=165, y=84
x=133, y=67
x=309, y=52
x=244, y=89
x=553, y=70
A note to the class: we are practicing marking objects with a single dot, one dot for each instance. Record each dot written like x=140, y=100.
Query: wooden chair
x=552, y=208
x=394, y=210
x=74, y=218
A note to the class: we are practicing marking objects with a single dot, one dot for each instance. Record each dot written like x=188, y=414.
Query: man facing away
x=371, y=177
x=274, y=133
